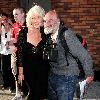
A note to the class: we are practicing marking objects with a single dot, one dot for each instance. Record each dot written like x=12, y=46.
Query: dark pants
x=8, y=77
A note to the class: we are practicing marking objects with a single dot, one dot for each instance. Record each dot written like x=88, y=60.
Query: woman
x=32, y=67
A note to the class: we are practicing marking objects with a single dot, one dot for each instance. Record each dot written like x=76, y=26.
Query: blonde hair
x=38, y=10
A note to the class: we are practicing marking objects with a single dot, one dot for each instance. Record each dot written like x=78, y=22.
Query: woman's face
x=35, y=21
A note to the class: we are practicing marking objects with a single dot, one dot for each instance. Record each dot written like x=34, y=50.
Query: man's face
x=18, y=16
x=50, y=23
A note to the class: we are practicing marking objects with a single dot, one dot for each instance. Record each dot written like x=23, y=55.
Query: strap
x=66, y=48
x=67, y=51
x=63, y=42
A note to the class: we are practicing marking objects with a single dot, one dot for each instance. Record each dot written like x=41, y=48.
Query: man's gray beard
x=49, y=31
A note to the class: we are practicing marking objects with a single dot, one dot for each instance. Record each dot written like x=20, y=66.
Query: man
x=64, y=73
x=19, y=17
x=19, y=14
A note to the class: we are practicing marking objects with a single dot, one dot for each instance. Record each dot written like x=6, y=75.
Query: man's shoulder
x=69, y=32
x=65, y=31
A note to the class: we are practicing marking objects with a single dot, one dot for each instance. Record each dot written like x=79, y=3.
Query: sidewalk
x=93, y=92
x=5, y=94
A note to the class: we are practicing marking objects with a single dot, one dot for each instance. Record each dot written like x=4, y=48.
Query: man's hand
x=0, y=25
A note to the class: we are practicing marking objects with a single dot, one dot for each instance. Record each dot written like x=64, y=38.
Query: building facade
x=83, y=16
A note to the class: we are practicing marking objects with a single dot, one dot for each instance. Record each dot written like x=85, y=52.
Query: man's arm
x=78, y=51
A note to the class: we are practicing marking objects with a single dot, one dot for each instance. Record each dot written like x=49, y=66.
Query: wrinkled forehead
x=50, y=16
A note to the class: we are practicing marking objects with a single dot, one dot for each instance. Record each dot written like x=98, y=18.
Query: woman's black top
x=35, y=68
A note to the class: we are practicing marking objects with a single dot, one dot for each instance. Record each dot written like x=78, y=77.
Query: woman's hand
x=20, y=76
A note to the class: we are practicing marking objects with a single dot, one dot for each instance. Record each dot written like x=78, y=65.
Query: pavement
x=92, y=93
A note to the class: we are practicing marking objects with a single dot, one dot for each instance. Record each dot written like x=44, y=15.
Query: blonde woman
x=32, y=67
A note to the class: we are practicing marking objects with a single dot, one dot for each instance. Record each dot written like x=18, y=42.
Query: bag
x=50, y=52
x=65, y=46
x=83, y=41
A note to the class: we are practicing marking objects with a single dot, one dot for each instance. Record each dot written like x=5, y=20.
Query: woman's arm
x=20, y=52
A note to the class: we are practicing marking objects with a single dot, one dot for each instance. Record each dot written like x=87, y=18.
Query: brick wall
x=8, y=6
x=83, y=16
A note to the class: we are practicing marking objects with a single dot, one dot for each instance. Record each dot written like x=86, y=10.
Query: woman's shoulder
x=23, y=31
